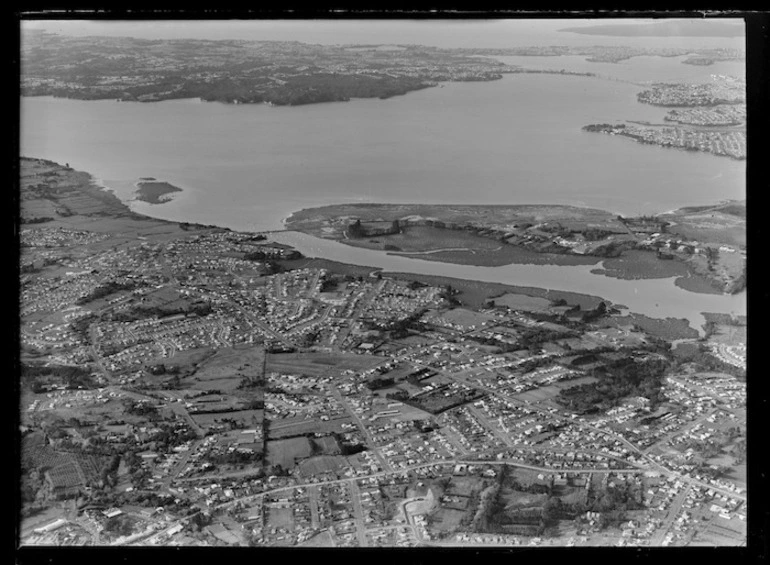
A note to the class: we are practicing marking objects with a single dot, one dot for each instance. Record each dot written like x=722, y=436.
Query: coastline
x=126, y=211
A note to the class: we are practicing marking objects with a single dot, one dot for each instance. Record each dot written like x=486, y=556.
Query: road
x=445, y=462
x=673, y=512
x=361, y=426
x=680, y=431
x=358, y=513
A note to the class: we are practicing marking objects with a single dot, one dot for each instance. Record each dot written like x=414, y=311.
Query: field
x=698, y=283
x=329, y=220
x=321, y=464
x=333, y=267
x=460, y=317
x=280, y=518
x=729, y=334
x=641, y=265
x=475, y=293
x=523, y=302
x=76, y=202
x=724, y=223
x=316, y=364
x=249, y=418
x=418, y=239
x=225, y=369
x=517, y=499
x=447, y=519
x=284, y=452
x=545, y=393
x=503, y=254
x=461, y=247
x=285, y=427
x=668, y=328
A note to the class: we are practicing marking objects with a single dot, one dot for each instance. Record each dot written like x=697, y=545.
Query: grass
x=668, y=328
x=424, y=238
x=447, y=519
x=333, y=267
x=462, y=247
x=321, y=464
x=523, y=302
x=641, y=265
x=250, y=418
x=280, y=518
x=339, y=215
x=463, y=317
x=475, y=293
x=698, y=283
x=712, y=226
x=517, y=499
x=230, y=362
x=317, y=363
x=298, y=426
x=284, y=452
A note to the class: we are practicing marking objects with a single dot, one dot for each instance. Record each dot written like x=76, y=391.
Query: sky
x=439, y=33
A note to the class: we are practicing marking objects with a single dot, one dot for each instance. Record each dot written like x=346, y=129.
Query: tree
x=356, y=229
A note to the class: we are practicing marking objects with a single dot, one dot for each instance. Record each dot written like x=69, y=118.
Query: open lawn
x=447, y=519
x=280, y=518
x=719, y=224
x=418, y=239
x=668, y=328
x=285, y=452
x=321, y=464
x=458, y=316
x=319, y=220
x=333, y=267
x=475, y=293
x=316, y=364
x=286, y=427
x=641, y=265
x=226, y=368
x=516, y=499
x=249, y=418
x=503, y=254
x=523, y=302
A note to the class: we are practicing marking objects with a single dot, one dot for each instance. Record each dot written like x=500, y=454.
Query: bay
x=513, y=141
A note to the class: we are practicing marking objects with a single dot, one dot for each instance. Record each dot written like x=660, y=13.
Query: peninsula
x=708, y=259
x=279, y=72
x=710, y=117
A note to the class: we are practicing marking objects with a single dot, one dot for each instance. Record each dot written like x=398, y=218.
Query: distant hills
x=682, y=28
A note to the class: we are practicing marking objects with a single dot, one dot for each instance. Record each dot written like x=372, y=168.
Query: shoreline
x=98, y=186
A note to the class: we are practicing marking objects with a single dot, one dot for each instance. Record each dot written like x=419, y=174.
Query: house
x=55, y=525
x=112, y=512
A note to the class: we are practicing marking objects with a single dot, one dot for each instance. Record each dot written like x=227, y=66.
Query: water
x=657, y=298
x=513, y=141
x=639, y=70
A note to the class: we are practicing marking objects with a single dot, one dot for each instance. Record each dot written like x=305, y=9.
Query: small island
x=154, y=191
